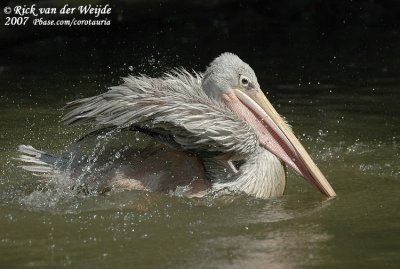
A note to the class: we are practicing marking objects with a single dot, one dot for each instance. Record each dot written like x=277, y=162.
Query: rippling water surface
x=350, y=127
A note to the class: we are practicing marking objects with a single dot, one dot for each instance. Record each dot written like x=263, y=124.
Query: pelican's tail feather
x=38, y=162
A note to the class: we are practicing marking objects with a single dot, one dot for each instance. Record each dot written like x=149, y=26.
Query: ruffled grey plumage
x=184, y=112
x=175, y=106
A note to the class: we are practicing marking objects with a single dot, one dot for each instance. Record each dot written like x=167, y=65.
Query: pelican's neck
x=262, y=176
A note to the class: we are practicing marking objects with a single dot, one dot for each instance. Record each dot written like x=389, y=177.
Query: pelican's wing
x=173, y=107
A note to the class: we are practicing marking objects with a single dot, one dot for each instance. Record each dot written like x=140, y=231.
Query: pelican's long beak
x=276, y=136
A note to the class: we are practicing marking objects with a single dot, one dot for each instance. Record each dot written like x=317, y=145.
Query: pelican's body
x=202, y=132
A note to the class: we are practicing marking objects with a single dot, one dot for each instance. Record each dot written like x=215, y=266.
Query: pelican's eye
x=244, y=81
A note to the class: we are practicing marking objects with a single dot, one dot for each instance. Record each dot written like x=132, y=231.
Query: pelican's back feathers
x=174, y=107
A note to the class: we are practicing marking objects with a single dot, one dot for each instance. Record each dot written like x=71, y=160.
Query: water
x=349, y=121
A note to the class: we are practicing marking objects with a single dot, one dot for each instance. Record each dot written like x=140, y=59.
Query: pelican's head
x=233, y=82
x=228, y=72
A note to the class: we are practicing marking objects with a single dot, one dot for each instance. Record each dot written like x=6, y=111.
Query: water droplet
x=144, y=236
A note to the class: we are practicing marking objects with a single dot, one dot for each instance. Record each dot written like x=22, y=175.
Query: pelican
x=202, y=132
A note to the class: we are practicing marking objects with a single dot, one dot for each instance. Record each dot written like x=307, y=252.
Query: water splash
x=380, y=159
x=81, y=171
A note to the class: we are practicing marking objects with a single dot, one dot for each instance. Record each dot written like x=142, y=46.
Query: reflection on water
x=277, y=249
x=131, y=226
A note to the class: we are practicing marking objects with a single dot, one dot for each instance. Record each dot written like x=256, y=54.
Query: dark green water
x=349, y=121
